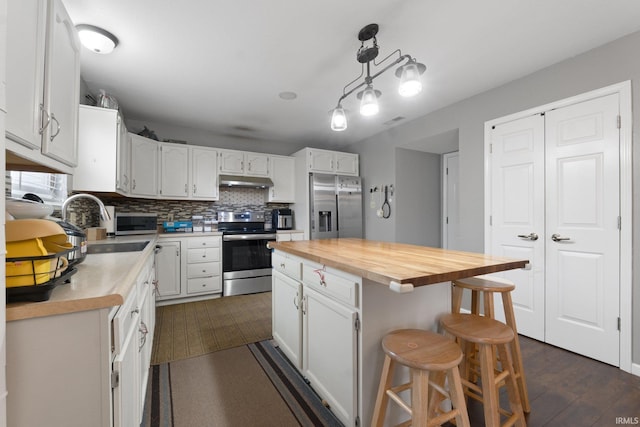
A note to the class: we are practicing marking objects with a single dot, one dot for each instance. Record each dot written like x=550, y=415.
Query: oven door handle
x=237, y=237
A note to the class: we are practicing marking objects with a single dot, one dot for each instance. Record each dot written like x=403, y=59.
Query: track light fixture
x=408, y=73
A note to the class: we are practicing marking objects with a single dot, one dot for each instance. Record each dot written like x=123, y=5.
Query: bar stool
x=423, y=352
x=486, y=333
x=483, y=287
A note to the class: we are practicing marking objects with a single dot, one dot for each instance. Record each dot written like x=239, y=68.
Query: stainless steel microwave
x=128, y=223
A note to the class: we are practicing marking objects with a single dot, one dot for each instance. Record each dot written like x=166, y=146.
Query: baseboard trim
x=635, y=369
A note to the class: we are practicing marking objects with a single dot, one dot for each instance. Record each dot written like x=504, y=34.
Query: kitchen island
x=334, y=300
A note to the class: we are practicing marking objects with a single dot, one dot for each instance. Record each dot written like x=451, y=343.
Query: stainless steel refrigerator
x=335, y=206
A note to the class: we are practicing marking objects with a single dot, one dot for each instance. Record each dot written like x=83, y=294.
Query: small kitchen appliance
x=246, y=260
x=109, y=224
x=282, y=219
x=128, y=223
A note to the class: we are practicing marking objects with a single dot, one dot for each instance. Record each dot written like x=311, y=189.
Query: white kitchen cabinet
x=283, y=176
x=189, y=268
x=287, y=316
x=43, y=82
x=168, y=269
x=146, y=302
x=174, y=171
x=103, y=151
x=327, y=161
x=125, y=381
x=289, y=235
x=204, y=173
x=81, y=368
x=243, y=163
x=144, y=166
x=315, y=321
x=257, y=164
x=330, y=325
x=123, y=163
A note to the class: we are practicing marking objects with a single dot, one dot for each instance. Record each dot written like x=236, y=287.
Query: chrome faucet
x=104, y=214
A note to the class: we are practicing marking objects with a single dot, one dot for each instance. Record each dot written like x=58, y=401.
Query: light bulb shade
x=338, y=119
x=409, y=74
x=96, y=39
x=369, y=104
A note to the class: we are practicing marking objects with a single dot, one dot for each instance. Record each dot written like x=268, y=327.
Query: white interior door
x=583, y=209
x=451, y=214
x=517, y=214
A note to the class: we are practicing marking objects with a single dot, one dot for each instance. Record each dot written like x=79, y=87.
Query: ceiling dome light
x=96, y=39
x=369, y=104
x=338, y=119
x=410, y=84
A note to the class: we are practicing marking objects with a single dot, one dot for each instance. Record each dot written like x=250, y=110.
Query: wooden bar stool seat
x=486, y=334
x=482, y=289
x=424, y=353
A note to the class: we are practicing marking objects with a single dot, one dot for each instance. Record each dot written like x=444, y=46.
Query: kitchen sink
x=106, y=248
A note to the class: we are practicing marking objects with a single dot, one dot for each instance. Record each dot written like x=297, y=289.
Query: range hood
x=245, y=181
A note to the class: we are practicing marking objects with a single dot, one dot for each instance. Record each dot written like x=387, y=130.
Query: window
x=50, y=187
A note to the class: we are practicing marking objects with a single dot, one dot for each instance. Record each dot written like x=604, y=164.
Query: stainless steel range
x=246, y=260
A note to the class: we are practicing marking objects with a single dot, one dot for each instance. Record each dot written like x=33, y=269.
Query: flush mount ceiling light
x=96, y=39
x=408, y=73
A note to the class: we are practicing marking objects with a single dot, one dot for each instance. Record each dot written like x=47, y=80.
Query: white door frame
x=626, y=199
x=445, y=197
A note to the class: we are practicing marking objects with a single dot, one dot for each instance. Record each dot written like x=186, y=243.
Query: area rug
x=248, y=385
x=196, y=328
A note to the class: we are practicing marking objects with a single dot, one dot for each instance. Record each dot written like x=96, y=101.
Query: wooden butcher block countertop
x=386, y=262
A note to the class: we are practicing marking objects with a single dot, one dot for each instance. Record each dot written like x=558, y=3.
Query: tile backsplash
x=231, y=199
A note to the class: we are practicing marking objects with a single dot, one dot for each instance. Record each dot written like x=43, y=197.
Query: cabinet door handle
x=186, y=189
x=53, y=117
x=47, y=121
x=557, y=238
x=530, y=236
x=194, y=189
x=134, y=184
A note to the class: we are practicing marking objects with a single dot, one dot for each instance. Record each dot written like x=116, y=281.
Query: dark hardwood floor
x=566, y=390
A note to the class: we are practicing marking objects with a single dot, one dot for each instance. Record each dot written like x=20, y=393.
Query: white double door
x=555, y=200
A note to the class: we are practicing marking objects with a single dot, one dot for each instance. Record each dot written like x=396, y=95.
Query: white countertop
x=102, y=280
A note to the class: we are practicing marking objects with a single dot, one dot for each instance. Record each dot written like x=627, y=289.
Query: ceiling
x=219, y=67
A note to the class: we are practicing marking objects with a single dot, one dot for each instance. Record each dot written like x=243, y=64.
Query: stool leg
x=456, y=298
x=382, y=399
x=512, y=388
x=457, y=397
x=489, y=388
x=518, y=366
x=419, y=397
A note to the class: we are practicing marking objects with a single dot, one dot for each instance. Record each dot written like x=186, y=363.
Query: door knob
x=557, y=238
x=530, y=236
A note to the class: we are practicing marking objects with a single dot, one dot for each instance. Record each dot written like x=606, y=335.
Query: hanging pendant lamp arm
x=369, y=77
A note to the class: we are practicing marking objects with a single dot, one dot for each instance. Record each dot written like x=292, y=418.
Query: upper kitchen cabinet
x=204, y=175
x=103, y=152
x=326, y=161
x=188, y=172
x=283, y=177
x=43, y=82
x=174, y=171
x=144, y=166
x=243, y=163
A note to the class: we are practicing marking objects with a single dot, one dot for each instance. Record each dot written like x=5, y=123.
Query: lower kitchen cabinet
x=85, y=368
x=315, y=322
x=189, y=268
x=289, y=235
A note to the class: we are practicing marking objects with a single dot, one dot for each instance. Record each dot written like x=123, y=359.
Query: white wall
x=417, y=198
x=612, y=63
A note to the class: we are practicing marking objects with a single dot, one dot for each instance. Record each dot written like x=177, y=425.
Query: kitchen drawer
x=199, y=242
x=203, y=269
x=126, y=318
x=342, y=288
x=286, y=264
x=203, y=255
x=204, y=284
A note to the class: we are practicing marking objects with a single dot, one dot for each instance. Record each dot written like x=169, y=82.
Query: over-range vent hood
x=245, y=181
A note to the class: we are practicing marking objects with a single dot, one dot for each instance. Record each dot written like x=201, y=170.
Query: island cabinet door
x=330, y=340
x=287, y=316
